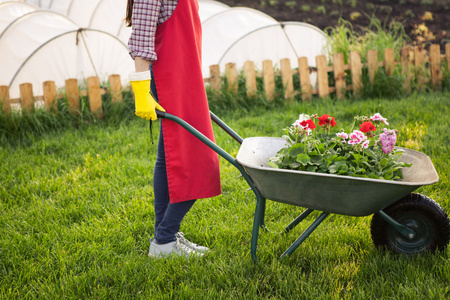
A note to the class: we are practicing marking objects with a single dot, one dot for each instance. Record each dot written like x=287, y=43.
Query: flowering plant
x=365, y=152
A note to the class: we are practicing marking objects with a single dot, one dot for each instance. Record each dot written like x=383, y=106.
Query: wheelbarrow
x=402, y=221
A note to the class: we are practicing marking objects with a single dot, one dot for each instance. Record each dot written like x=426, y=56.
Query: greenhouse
x=41, y=40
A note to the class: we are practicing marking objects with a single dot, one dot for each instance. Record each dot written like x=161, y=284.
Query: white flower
x=378, y=117
x=342, y=135
x=303, y=117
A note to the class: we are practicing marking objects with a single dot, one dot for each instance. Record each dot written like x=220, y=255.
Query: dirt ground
x=425, y=21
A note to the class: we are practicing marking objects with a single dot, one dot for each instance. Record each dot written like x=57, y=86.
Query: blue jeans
x=168, y=216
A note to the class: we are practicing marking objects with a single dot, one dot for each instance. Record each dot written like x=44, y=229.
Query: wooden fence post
x=447, y=54
x=95, y=96
x=389, y=61
x=4, y=98
x=286, y=78
x=322, y=76
x=269, y=79
x=116, y=88
x=419, y=64
x=250, y=78
x=406, y=67
x=339, y=75
x=305, y=83
x=435, y=66
x=232, y=77
x=73, y=95
x=26, y=94
x=214, y=78
x=49, y=89
x=372, y=61
x=356, y=73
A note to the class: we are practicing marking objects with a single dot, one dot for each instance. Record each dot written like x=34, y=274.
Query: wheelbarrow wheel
x=421, y=214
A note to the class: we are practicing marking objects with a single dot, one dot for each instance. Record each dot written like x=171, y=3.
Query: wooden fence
x=94, y=92
x=414, y=61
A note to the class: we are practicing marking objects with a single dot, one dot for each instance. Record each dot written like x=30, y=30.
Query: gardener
x=165, y=44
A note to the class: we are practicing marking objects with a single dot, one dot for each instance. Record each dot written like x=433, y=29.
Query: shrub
x=345, y=39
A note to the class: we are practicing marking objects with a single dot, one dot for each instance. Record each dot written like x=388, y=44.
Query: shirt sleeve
x=144, y=22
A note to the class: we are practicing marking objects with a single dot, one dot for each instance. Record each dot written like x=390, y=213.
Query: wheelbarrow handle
x=160, y=114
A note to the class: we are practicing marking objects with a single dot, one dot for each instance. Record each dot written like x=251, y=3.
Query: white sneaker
x=191, y=245
x=173, y=248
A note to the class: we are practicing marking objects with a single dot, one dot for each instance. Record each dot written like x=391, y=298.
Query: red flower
x=308, y=123
x=326, y=119
x=367, y=126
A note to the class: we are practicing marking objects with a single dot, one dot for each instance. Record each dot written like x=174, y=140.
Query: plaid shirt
x=147, y=15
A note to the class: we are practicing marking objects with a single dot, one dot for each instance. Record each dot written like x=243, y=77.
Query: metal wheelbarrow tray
x=404, y=222
x=353, y=196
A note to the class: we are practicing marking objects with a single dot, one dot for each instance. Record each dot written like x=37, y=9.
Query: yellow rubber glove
x=144, y=102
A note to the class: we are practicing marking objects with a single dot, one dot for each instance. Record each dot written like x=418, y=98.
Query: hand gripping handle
x=160, y=114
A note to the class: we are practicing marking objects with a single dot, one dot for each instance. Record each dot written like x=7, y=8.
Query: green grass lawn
x=77, y=214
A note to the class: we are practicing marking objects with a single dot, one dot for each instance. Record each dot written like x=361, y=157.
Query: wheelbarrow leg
x=262, y=223
x=257, y=222
x=298, y=220
x=305, y=234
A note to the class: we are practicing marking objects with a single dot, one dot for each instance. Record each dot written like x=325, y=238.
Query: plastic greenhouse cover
x=9, y=11
x=224, y=29
x=209, y=8
x=124, y=34
x=109, y=16
x=80, y=11
x=61, y=6
x=27, y=33
x=229, y=35
x=44, y=4
x=95, y=53
x=275, y=42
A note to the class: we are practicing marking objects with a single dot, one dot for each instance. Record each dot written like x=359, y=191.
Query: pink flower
x=356, y=137
x=388, y=139
x=387, y=149
x=365, y=144
x=378, y=117
x=342, y=135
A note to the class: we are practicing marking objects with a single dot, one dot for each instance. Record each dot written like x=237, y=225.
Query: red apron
x=192, y=167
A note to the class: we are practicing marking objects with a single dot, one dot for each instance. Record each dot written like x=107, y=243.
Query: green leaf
x=287, y=160
x=373, y=176
x=388, y=175
x=303, y=159
x=369, y=153
x=321, y=147
x=296, y=149
x=384, y=162
x=273, y=165
x=357, y=157
x=294, y=165
x=316, y=160
x=338, y=168
x=311, y=169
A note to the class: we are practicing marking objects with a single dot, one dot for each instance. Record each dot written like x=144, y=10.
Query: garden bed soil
x=425, y=21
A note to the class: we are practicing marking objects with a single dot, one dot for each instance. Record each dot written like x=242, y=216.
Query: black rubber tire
x=421, y=214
